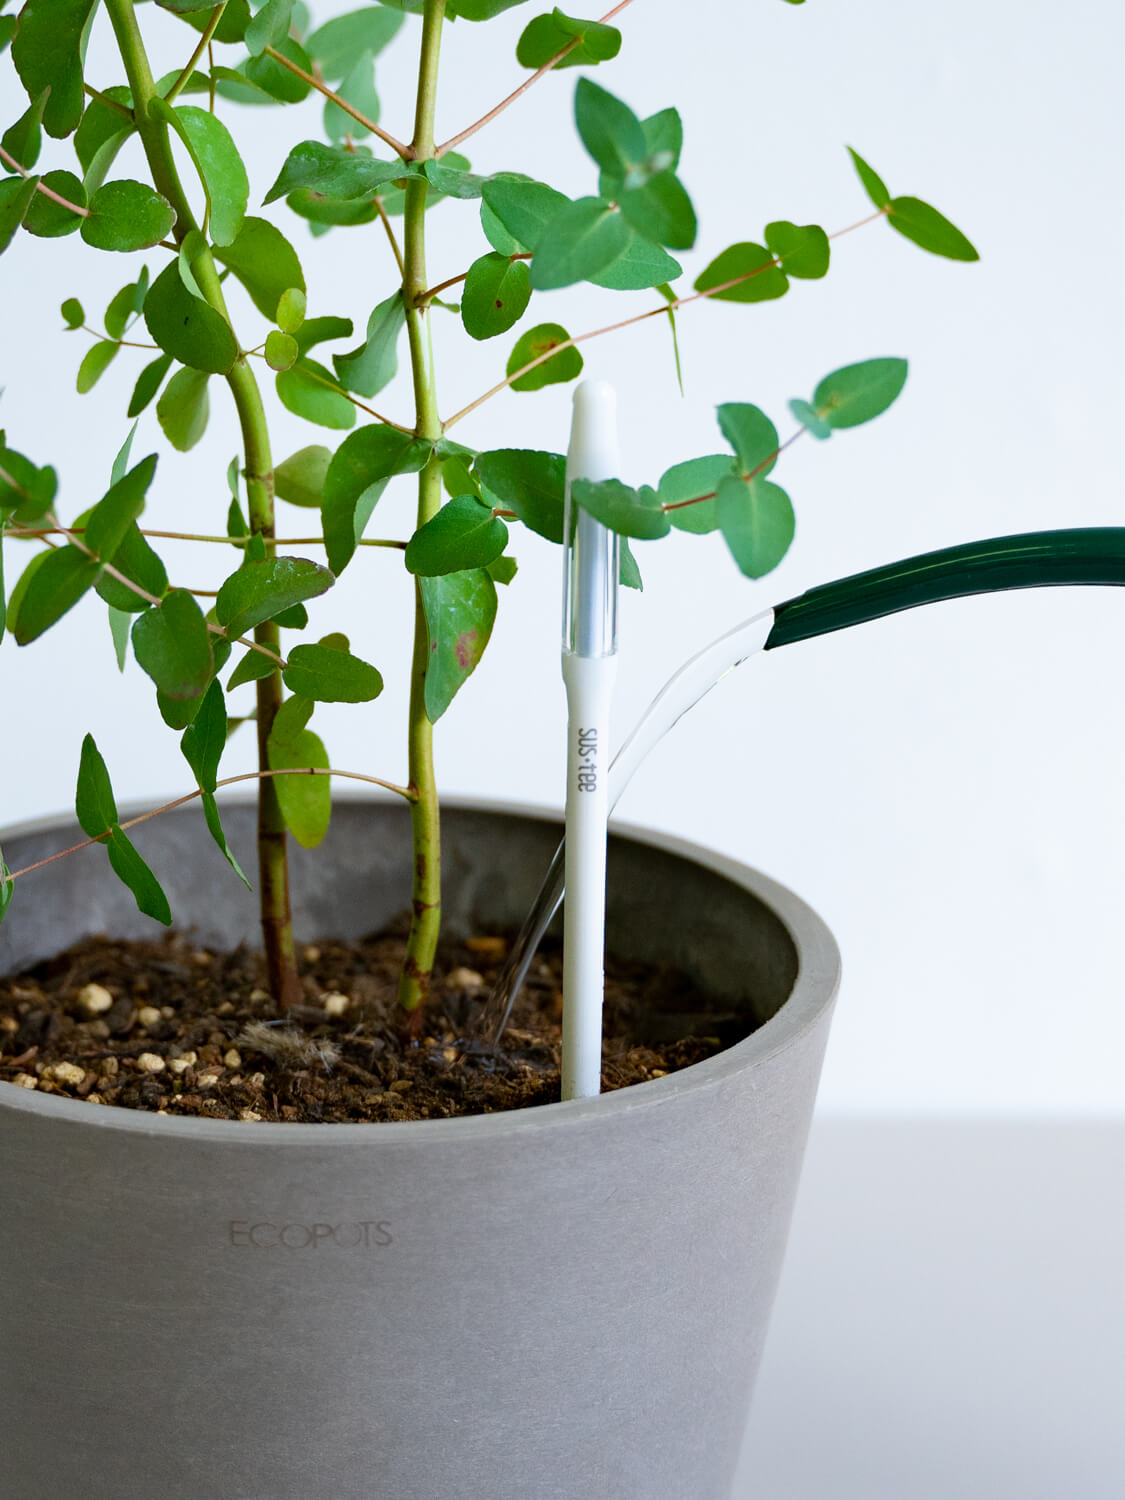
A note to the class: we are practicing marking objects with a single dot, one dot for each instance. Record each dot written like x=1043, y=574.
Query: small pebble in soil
x=150, y=1062
x=335, y=1004
x=94, y=999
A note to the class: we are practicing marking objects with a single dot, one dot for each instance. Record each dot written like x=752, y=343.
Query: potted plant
x=370, y=1308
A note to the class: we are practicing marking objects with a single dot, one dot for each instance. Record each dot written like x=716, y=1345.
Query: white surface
x=945, y=786
x=950, y=1320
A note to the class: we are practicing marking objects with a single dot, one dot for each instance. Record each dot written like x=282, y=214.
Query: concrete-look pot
x=567, y=1301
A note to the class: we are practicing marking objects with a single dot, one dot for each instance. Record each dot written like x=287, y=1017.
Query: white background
x=943, y=786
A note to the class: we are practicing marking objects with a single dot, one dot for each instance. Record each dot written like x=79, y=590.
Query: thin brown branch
x=653, y=312
x=332, y=385
x=41, y=187
x=204, y=46
x=389, y=786
x=406, y=152
x=523, y=88
x=389, y=227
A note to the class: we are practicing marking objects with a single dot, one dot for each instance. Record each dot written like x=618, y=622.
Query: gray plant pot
x=567, y=1301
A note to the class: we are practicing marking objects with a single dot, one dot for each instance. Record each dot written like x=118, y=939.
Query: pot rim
x=814, y=991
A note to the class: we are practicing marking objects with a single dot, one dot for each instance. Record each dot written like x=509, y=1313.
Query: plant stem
x=273, y=870
x=426, y=903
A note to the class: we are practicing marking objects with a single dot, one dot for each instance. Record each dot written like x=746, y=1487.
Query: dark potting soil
x=174, y=1028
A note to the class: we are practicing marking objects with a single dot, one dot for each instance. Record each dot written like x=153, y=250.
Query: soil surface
x=174, y=1028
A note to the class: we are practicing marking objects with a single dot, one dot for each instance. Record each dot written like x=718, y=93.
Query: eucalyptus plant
x=524, y=242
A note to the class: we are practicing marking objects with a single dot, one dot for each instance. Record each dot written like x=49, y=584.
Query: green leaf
x=757, y=523
x=629, y=512
x=48, y=219
x=232, y=26
x=136, y=560
x=331, y=676
x=524, y=209
x=464, y=534
x=859, y=392
x=253, y=666
x=218, y=163
x=276, y=79
x=55, y=583
x=127, y=216
x=265, y=262
x=469, y=10
x=609, y=129
x=94, y=802
x=16, y=194
x=358, y=88
x=184, y=408
x=281, y=350
x=502, y=570
x=109, y=521
x=751, y=434
x=205, y=739
x=689, y=481
x=299, y=479
x=24, y=490
x=186, y=327
x=315, y=331
x=664, y=137
x=148, y=383
x=582, y=239
x=497, y=291
x=873, y=184
x=337, y=43
x=48, y=51
x=173, y=645
x=628, y=572
x=126, y=304
x=131, y=869
x=306, y=801
x=451, y=181
x=660, y=210
x=535, y=344
x=802, y=249
x=260, y=590
x=640, y=265
x=530, y=483
x=336, y=172
x=119, y=622
x=7, y=32
x=7, y=886
x=101, y=124
x=291, y=307
x=94, y=364
x=215, y=825
x=547, y=35
x=357, y=477
x=929, y=229
x=810, y=419
x=751, y=267
x=460, y=610
x=370, y=368
x=309, y=390
x=269, y=27
x=296, y=617
x=24, y=139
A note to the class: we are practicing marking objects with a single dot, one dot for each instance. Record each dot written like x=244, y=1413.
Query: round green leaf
x=690, y=481
x=802, y=249
x=48, y=50
x=337, y=44
x=358, y=88
x=331, y=676
x=530, y=483
x=629, y=512
x=73, y=313
x=261, y=590
x=582, y=239
x=810, y=419
x=309, y=390
x=184, y=408
x=497, y=291
x=661, y=211
x=127, y=216
x=537, y=343
x=219, y=165
x=757, y=523
x=55, y=583
x=265, y=262
x=300, y=478
x=186, y=327
x=751, y=267
x=281, y=350
x=173, y=645
x=48, y=219
x=291, y=309
x=857, y=393
x=547, y=35
x=306, y=801
x=751, y=434
x=463, y=534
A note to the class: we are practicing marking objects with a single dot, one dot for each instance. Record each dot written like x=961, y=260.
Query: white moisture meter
x=589, y=666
